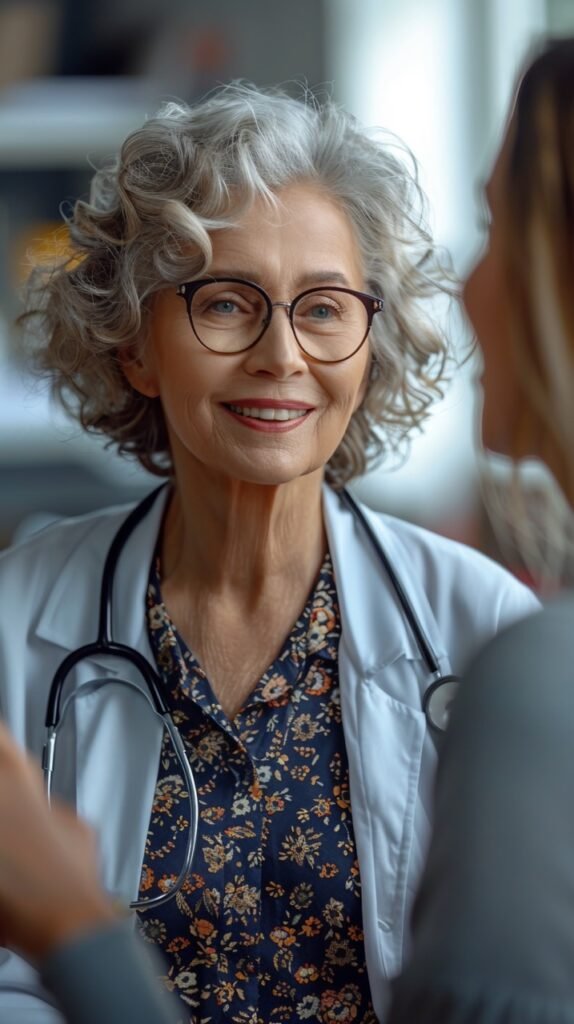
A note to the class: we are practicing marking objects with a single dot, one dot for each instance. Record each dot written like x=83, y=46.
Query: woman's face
x=488, y=306
x=308, y=242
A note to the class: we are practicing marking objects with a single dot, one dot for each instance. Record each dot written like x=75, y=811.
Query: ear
x=138, y=369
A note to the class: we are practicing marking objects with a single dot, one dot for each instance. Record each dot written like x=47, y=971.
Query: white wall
x=440, y=74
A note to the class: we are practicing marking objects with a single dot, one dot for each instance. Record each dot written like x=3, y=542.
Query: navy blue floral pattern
x=268, y=927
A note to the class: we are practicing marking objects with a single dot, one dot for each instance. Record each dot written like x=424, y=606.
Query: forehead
x=306, y=228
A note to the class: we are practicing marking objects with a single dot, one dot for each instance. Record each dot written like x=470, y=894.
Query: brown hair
x=539, y=236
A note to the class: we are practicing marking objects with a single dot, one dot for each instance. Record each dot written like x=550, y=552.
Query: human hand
x=49, y=878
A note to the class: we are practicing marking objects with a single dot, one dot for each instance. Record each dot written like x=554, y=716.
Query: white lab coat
x=107, y=758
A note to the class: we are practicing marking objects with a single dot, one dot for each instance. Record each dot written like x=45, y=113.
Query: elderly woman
x=242, y=311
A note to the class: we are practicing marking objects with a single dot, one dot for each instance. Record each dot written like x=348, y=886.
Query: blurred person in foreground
x=494, y=920
x=221, y=318
x=55, y=913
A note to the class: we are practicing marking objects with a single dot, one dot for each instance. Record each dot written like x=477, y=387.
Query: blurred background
x=76, y=77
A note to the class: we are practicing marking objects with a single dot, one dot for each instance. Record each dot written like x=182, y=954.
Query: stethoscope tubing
x=105, y=646
x=423, y=643
x=180, y=752
x=435, y=707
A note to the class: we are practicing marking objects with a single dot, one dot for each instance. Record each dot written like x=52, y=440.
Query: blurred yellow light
x=42, y=244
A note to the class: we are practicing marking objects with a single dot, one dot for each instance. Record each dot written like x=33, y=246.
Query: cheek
x=184, y=373
x=349, y=387
x=486, y=300
x=365, y=378
x=486, y=304
x=483, y=305
x=475, y=298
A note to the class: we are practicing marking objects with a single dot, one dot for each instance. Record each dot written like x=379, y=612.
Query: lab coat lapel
x=70, y=616
x=377, y=633
x=117, y=738
x=382, y=679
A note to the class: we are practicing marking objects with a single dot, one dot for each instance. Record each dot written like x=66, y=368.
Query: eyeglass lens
x=229, y=317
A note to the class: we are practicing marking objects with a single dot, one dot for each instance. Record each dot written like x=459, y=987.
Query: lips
x=267, y=413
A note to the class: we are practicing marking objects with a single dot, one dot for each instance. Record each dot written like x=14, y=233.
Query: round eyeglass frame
x=372, y=303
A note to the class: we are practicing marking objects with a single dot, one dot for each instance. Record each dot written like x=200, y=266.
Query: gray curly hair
x=190, y=170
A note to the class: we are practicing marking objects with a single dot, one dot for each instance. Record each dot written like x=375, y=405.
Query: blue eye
x=224, y=306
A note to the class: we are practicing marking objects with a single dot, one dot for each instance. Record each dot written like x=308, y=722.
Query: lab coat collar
x=374, y=626
x=70, y=616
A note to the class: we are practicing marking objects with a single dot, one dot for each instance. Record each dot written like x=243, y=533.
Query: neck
x=224, y=536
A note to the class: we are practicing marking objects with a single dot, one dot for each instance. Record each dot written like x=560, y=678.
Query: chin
x=273, y=476
x=494, y=445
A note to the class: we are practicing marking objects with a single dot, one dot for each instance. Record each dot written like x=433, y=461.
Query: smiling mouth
x=264, y=413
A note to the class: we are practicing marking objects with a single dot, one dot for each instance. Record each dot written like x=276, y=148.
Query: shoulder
x=471, y=596
x=437, y=561
x=461, y=597
x=40, y=558
x=446, y=565
x=429, y=551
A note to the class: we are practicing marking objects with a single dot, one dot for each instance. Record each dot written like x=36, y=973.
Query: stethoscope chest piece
x=437, y=701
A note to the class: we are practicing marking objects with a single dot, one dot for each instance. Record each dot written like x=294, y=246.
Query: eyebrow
x=316, y=277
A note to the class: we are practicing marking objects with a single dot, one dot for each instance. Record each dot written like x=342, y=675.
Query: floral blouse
x=268, y=927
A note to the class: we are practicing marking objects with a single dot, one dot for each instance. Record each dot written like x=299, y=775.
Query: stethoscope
x=435, y=703
x=441, y=691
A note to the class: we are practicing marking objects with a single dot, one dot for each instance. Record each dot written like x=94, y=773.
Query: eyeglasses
x=229, y=315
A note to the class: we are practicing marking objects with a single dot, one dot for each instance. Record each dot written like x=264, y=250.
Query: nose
x=277, y=353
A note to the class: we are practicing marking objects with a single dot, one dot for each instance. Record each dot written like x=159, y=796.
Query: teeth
x=268, y=414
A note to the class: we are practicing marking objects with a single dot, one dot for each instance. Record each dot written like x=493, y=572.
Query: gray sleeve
x=108, y=975
x=493, y=923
